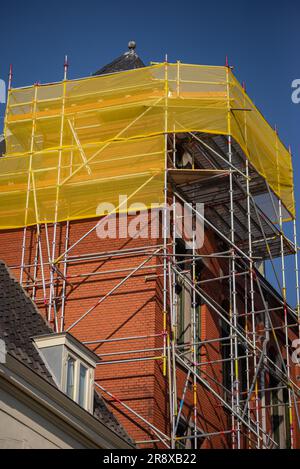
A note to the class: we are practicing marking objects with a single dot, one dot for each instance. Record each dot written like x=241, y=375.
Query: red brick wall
x=134, y=309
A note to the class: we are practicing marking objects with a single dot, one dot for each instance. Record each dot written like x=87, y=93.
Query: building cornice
x=48, y=401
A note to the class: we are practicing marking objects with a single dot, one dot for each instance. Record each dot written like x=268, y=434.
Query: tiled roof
x=128, y=61
x=102, y=413
x=19, y=322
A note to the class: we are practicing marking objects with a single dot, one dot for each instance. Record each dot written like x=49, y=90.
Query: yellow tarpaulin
x=75, y=144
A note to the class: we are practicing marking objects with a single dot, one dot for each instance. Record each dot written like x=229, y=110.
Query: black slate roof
x=128, y=61
x=19, y=322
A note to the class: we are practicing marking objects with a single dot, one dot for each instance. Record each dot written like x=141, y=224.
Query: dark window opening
x=184, y=158
x=186, y=429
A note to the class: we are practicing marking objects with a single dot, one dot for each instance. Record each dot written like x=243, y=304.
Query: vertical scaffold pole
x=64, y=288
x=170, y=350
x=236, y=389
x=247, y=349
x=231, y=329
x=287, y=352
x=248, y=213
x=165, y=253
x=36, y=258
x=252, y=302
x=284, y=296
x=42, y=265
x=29, y=181
x=194, y=329
x=174, y=303
x=67, y=236
x=52, y=290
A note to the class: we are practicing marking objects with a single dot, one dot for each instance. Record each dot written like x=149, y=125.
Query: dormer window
x=71, y=364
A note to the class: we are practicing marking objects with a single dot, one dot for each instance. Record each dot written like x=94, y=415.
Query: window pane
x=82, y=385
x=70, y=377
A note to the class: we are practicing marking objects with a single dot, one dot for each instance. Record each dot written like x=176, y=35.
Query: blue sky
x=261, y=39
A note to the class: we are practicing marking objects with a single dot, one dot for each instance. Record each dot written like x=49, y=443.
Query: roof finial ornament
x=131, y=45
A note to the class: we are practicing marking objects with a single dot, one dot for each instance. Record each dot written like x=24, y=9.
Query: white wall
x=23, y=427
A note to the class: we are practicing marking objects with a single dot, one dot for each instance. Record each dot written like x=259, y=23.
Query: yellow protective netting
x=76, y=144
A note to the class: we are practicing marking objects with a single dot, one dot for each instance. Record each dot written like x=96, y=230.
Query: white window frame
x=86, y=384
x=69, y=355
x=88, y=394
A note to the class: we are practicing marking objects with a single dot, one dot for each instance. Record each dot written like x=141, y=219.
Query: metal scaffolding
x=246, y=366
